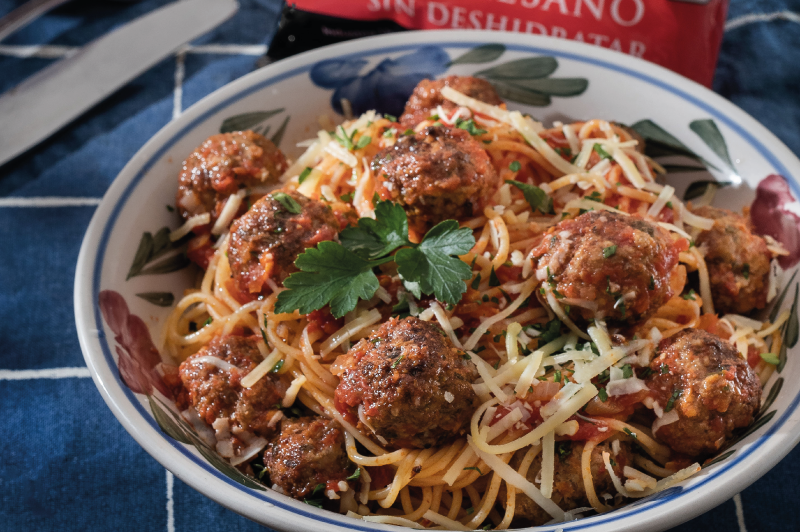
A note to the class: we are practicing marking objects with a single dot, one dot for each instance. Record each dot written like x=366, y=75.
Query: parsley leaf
x=330, y=273
x=746, y=271
x=627, y=371
x=397, y=362
x=345, y=140
x=551, y=331
x=304, y=174
x=356, y=475
x=609, y=251
x=770, y=358
x=476, y=282
x=390, y=118
x=341, y=274
x=690, y=295
x=277, y=367
x=363, y=142
x=535, y=196
x=431, y=265
x=514, y=166
x=599, y=150
x=672, y=399
x=469, y=126
x=602, y=394
x=493, y=280
x=375, y=238
x=287, y=202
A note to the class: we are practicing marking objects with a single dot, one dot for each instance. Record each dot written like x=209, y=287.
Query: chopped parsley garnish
x=558, y=294
x=627, y=431
x=356, y=475
x=746, y=271
x=493, y=280
x=277, y=367
x=602, y=394
x=408, y=132
x=347, y=197
x=551, y=331
x=339, y=274
x=363, y=142
x=770, y=358
x=535, y=196
x=388, y=133
x=465, y=356
x=599, y=150
x=345, y=140
x=627, y=371
x=390, y=118
x=563, y=448
x=470, y=510
x=397, y=362
x=304, y=174
x=473, y=469
x=477, y=281
x=402, y=309
x=260, y=470
x=287, y=202
x=264, y=332
x=469, y=126
x=514, y=166
x=646, y=373
x=208, y=321
x=564, y=152
x=604, y=376
x=690, y=295
x=609, y=251
x=672, y=399
x=664, y=369
x=652, y=285
x=595, y=196
x=557, y=377
x=315, y=498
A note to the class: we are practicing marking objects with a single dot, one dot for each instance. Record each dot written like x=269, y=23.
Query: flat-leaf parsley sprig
x=339, y=274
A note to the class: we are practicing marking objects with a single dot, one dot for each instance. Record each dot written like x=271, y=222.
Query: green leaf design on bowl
x=710, y=134
x=162, y=299
x=528, y=68
x=247, y=120
x=152, y=247
x=481, y=54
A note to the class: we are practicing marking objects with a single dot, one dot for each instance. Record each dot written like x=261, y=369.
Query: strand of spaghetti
x=661, y=485
x=440, y=460
x=567, y=409
x=486, y=504
x=372, y=461
x=513, y=478
x=502, y=236
x=652, y=467
x=458, y=466
x=653, y=448
x=331, y=412
x=526, y=127
x=640, y=195
x=221, y=277
x=241, y=314
x=427, y=502
x=535, y=156
x=210, y=273
x=446, y=522
x=705, y=284
x=437, y=498
x=470, y=344
x=588, y=481
x=401, y=478
x=387, y=520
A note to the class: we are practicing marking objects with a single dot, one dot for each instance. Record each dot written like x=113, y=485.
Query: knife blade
x=56, y=95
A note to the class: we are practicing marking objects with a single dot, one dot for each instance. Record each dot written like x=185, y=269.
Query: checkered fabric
x=66, y=463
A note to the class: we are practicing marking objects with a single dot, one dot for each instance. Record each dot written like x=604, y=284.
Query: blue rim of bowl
x=623, y=512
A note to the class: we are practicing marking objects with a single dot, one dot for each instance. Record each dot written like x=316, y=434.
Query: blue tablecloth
x=66, y=463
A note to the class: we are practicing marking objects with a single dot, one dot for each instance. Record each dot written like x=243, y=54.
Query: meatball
x=710, y=386
x=221, y=166
x=622, y=264
x=267, y=239
x=408, y=385
x=569, y=492
x=737, y=260
x=309, y=451
x=427, y=97
x=214, y=386
x=437, y=174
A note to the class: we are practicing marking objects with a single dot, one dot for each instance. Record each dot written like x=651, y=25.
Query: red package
x=682, y=35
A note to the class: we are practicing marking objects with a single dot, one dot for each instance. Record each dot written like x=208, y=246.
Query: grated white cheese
x=191, y=223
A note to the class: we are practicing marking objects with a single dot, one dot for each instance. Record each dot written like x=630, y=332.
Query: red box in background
x=682, y=35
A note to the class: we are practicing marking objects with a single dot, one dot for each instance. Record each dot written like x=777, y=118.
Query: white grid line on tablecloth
x=51, y=51
x=48, y=373
x=177, y=94
x=170, y=502
x=751, y=18
x=737, y=502
x=49, y=201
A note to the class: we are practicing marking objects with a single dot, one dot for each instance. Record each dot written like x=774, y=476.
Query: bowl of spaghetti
x=456, y=280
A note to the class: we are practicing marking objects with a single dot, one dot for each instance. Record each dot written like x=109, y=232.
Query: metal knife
x=56, y=95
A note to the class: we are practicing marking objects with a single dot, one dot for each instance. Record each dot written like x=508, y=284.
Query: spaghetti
x=552, y=387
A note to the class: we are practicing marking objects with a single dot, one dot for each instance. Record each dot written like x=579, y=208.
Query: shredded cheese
x=264, y=367
x=548, y=464
x=195, y=221
x=293, y=390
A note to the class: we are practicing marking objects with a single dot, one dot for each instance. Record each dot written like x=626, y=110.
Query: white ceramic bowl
x=569, y=81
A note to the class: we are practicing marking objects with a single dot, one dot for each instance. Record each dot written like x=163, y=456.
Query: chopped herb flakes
x=609, y=251
x=356, y=475
x=304, y=174
x=397, y=362
x=599, y=150
x=671, y=402
x=690, y=295
x=469, y=126
x=514, y=166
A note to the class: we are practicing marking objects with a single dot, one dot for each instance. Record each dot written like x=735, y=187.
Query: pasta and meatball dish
x=459, y=318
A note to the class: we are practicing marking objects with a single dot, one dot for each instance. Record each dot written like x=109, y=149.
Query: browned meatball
x=412, y=387
x=309, y=451
x=569, y=492
x=217, y=393
x=427, y=96
x=267, y=239
x=710, y=386
x=221, y=166
x=621, y=264
x=737, y=259
x=437, y=174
